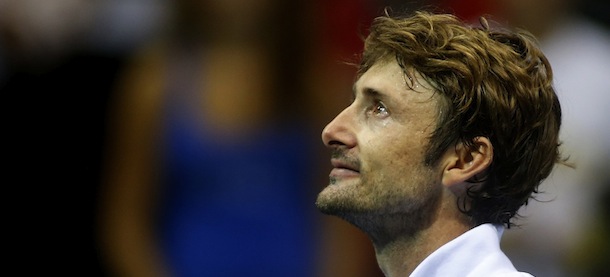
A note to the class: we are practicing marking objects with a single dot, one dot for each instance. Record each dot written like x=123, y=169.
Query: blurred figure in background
x=212, y=164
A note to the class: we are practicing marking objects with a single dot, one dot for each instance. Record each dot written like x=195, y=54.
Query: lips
x=340, y=164
x=343, y=169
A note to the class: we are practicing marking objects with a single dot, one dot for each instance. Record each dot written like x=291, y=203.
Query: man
x=451, y=130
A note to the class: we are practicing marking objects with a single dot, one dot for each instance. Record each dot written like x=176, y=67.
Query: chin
x=330, y=200
x=339, y=201
x=326, y=202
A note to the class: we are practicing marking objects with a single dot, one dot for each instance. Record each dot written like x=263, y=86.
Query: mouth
x=340, y=164
x=343, y=169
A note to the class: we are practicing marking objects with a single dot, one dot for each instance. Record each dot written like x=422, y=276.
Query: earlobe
x=463, y=163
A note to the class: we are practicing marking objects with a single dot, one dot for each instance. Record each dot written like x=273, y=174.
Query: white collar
x=474, y=253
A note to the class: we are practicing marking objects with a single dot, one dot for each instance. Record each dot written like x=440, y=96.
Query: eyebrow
x=368, y=92
x=371, y=92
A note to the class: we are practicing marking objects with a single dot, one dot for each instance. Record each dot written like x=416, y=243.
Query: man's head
x=379, y=147
x=480, y=96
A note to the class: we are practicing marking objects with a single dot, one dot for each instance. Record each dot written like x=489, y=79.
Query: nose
x=340, y=131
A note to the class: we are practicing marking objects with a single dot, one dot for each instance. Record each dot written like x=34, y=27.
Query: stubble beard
x=380, y=213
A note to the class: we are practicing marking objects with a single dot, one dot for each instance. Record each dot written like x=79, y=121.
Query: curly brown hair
x=496, y=84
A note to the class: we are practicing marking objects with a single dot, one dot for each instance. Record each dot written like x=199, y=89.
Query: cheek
x=394, y=160
x=396, y=146
x=392, y=151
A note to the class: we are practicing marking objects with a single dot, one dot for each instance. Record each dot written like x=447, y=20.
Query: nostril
x=334, y=143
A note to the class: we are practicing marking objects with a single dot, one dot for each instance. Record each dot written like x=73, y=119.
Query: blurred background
x=181, y=138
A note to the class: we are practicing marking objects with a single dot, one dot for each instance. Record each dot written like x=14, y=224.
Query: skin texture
x=378, y=145
x=380, y=182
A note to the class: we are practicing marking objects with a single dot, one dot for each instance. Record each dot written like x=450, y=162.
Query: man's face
x=379, y=144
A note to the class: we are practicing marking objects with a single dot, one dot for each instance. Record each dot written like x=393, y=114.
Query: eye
x=378, y=109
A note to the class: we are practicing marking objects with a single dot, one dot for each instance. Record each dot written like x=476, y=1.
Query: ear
x=463, y=163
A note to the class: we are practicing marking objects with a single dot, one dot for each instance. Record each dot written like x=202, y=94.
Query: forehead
x=383, y=74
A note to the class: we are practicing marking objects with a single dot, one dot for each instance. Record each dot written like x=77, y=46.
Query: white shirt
x=474, y=253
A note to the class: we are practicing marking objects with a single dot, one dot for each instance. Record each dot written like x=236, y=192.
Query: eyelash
x=378, y=109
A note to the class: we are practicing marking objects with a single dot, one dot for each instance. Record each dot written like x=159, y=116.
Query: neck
x=401, y=254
